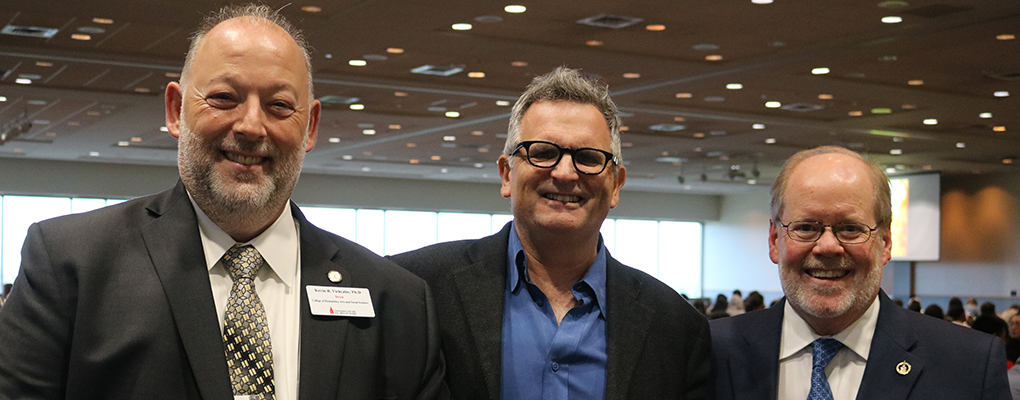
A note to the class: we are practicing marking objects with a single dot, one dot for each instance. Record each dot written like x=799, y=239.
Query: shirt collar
x=275, y=244
x=517, y=267
x=797, y=334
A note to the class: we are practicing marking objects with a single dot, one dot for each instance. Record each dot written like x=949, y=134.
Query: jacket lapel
x=754, y=371
x=891, y=346
x=628, y=322
x=481, y=286
x=175, y=248
x=323, y=339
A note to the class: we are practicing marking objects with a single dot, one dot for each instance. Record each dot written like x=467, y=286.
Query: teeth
x=563, y=198
x=243, y=159
x=828, y=274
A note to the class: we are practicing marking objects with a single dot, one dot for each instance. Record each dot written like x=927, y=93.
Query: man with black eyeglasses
x=541, y=310
x=836, y=335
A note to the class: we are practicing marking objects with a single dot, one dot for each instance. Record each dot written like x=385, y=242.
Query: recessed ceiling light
x=400, y=94
x=706, y=47
x=519, y=63
x=3, y=98
x=477, y=133
x=502, y=103
x=825, y=96
x=483, y=149
x=461, y=27
x=713, y=57
x=94, y=153
x=369, y=132
x=444, y=170
x=23, y=81
x=593, y=43
x=819, y=71
x=758, y=126
x=123, y=143
x=881, y=111
x=1007, y=36
x=888, y=58
x=329, y=56
x=334, y=140
x=43, y=64
x=142, y=90
x=734, y=86
x=311, y=9
x=684, y=95
x=476, y=74
x=163, y=129
x=896, y=152
x=347, y=157
x=104, y=21
x=773, y=104
x=366, y=169
x=412, y=145
x=394, y=50
x=961, y=145
x=679, y=119
x=413, y=161
x=770, y=141
x=515, y=9
x=897, y=140
x=81, y=36
x=357, y=106
x=172, y=74
x=931, y=121
x=890, y=170
x=855, y=113
x=624, y=128
x=357, y=63
x=449, y=138
x=999, y=128
x=761, y=1
x=892, y=19
x=656, y=27
x=1007, y=160
x=631, y=75
x=915, y=82
x=436, y=158
x=699, y=134
x=1001, y=93
x=908, y=107
x=394, y=126
x=985, y=115
x=479, y=165
x=452, y=114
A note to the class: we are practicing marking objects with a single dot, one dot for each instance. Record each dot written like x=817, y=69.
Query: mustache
x=842, y=263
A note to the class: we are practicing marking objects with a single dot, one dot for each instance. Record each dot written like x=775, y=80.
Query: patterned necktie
x=821, y=354
x=245, y=329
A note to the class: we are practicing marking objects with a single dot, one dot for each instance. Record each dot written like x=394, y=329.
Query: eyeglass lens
x=812, y=231
x=547, y=155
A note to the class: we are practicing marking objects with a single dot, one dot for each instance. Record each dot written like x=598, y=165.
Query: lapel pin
x=903, y=368
x=334, y=276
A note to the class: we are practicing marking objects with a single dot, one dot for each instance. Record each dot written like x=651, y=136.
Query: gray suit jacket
x=116, y=304
x=658, y=344
x=947, y=361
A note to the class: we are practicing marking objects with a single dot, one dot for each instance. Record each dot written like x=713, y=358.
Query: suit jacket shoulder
x=745, y=354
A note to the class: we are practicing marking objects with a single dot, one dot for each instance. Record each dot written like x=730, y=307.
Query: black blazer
x=116, y=304
x=658, y=344
x=947, y=361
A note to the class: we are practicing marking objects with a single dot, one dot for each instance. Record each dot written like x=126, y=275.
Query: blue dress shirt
x=543, y=360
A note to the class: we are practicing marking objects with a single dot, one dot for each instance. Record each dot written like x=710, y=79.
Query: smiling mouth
x=562, y=197
x=828, y=273
x=243, y=160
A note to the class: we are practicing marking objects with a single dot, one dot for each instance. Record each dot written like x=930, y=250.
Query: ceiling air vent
x=330, y=99
x=30, y=31
x=667, y=127
x=437, y=70
x=609, y=21
x=801, y=107
x=1003, y=75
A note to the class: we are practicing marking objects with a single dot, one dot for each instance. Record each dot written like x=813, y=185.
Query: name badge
x=340, y=301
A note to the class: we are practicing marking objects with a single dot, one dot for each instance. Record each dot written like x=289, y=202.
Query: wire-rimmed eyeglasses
x=847, y=233
x=587, y=161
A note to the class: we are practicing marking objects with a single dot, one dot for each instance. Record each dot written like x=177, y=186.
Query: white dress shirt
x=845, y=371
x=277, y=284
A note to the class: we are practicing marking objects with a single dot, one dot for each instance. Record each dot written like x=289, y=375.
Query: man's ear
x=172, y=98
x=313, y=124
x=504, y=175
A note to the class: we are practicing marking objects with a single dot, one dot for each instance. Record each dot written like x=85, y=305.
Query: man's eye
x=543, y=153
x=853, y=228
x=804, y=227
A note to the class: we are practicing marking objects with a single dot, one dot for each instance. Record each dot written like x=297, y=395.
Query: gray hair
x=259, y=13
x=569, y=85
x=879, y=180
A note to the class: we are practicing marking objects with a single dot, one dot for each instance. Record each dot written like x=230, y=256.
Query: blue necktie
x=821, y=354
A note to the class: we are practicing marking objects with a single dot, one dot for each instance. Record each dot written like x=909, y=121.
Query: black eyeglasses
x=806, y=231
x=587, y=161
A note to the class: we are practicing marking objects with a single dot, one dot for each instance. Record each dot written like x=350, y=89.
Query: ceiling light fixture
x=734, y=86
x=915, y=82
x=413, y=161
x=436, y=158
x=81, y=36
x=761, y=1
x=908, y=107
x=519, y=64
x=1007, y=36
x=23, y=81
x=713, y=57
x=819, y=71
x=624, y=128
x=896, y=152
x=394, y=50
x=699, y=134
x=3, y=98
x=357, y=63
x=770, y=141
x=684, y=95
x=985, y=115
x=931, y=121
x=961, y=145
x=631, y=75
x=461, y=27
x=400, y=94
x=369, y=132
x=334, y=140
x=502, y=103
x=881, y=111
x=394, y=126
x=825, y=96
x=515, y=9
x=357, y=106
x=477, y=133
x=43, y=64
x=679, y=119
x=656, y=27
x=1007, y=160
x=773, y=104
x=104, y=21
x=476, y=74
x=593, y=43
x=758, y=126
x=452, y=114
x=892, y=19
x=311, y=9
x=1001, y=93
x=999, y=128
x=855, y=113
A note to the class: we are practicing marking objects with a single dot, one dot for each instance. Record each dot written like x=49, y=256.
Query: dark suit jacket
x=116, y=304
x=947, y=361
x=658, y=344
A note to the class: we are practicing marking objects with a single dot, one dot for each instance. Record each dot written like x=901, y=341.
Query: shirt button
x=555, y=366
x=540, y=303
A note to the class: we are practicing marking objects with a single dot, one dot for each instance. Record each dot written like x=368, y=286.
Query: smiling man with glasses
x=541, y=310
x=836, y=335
